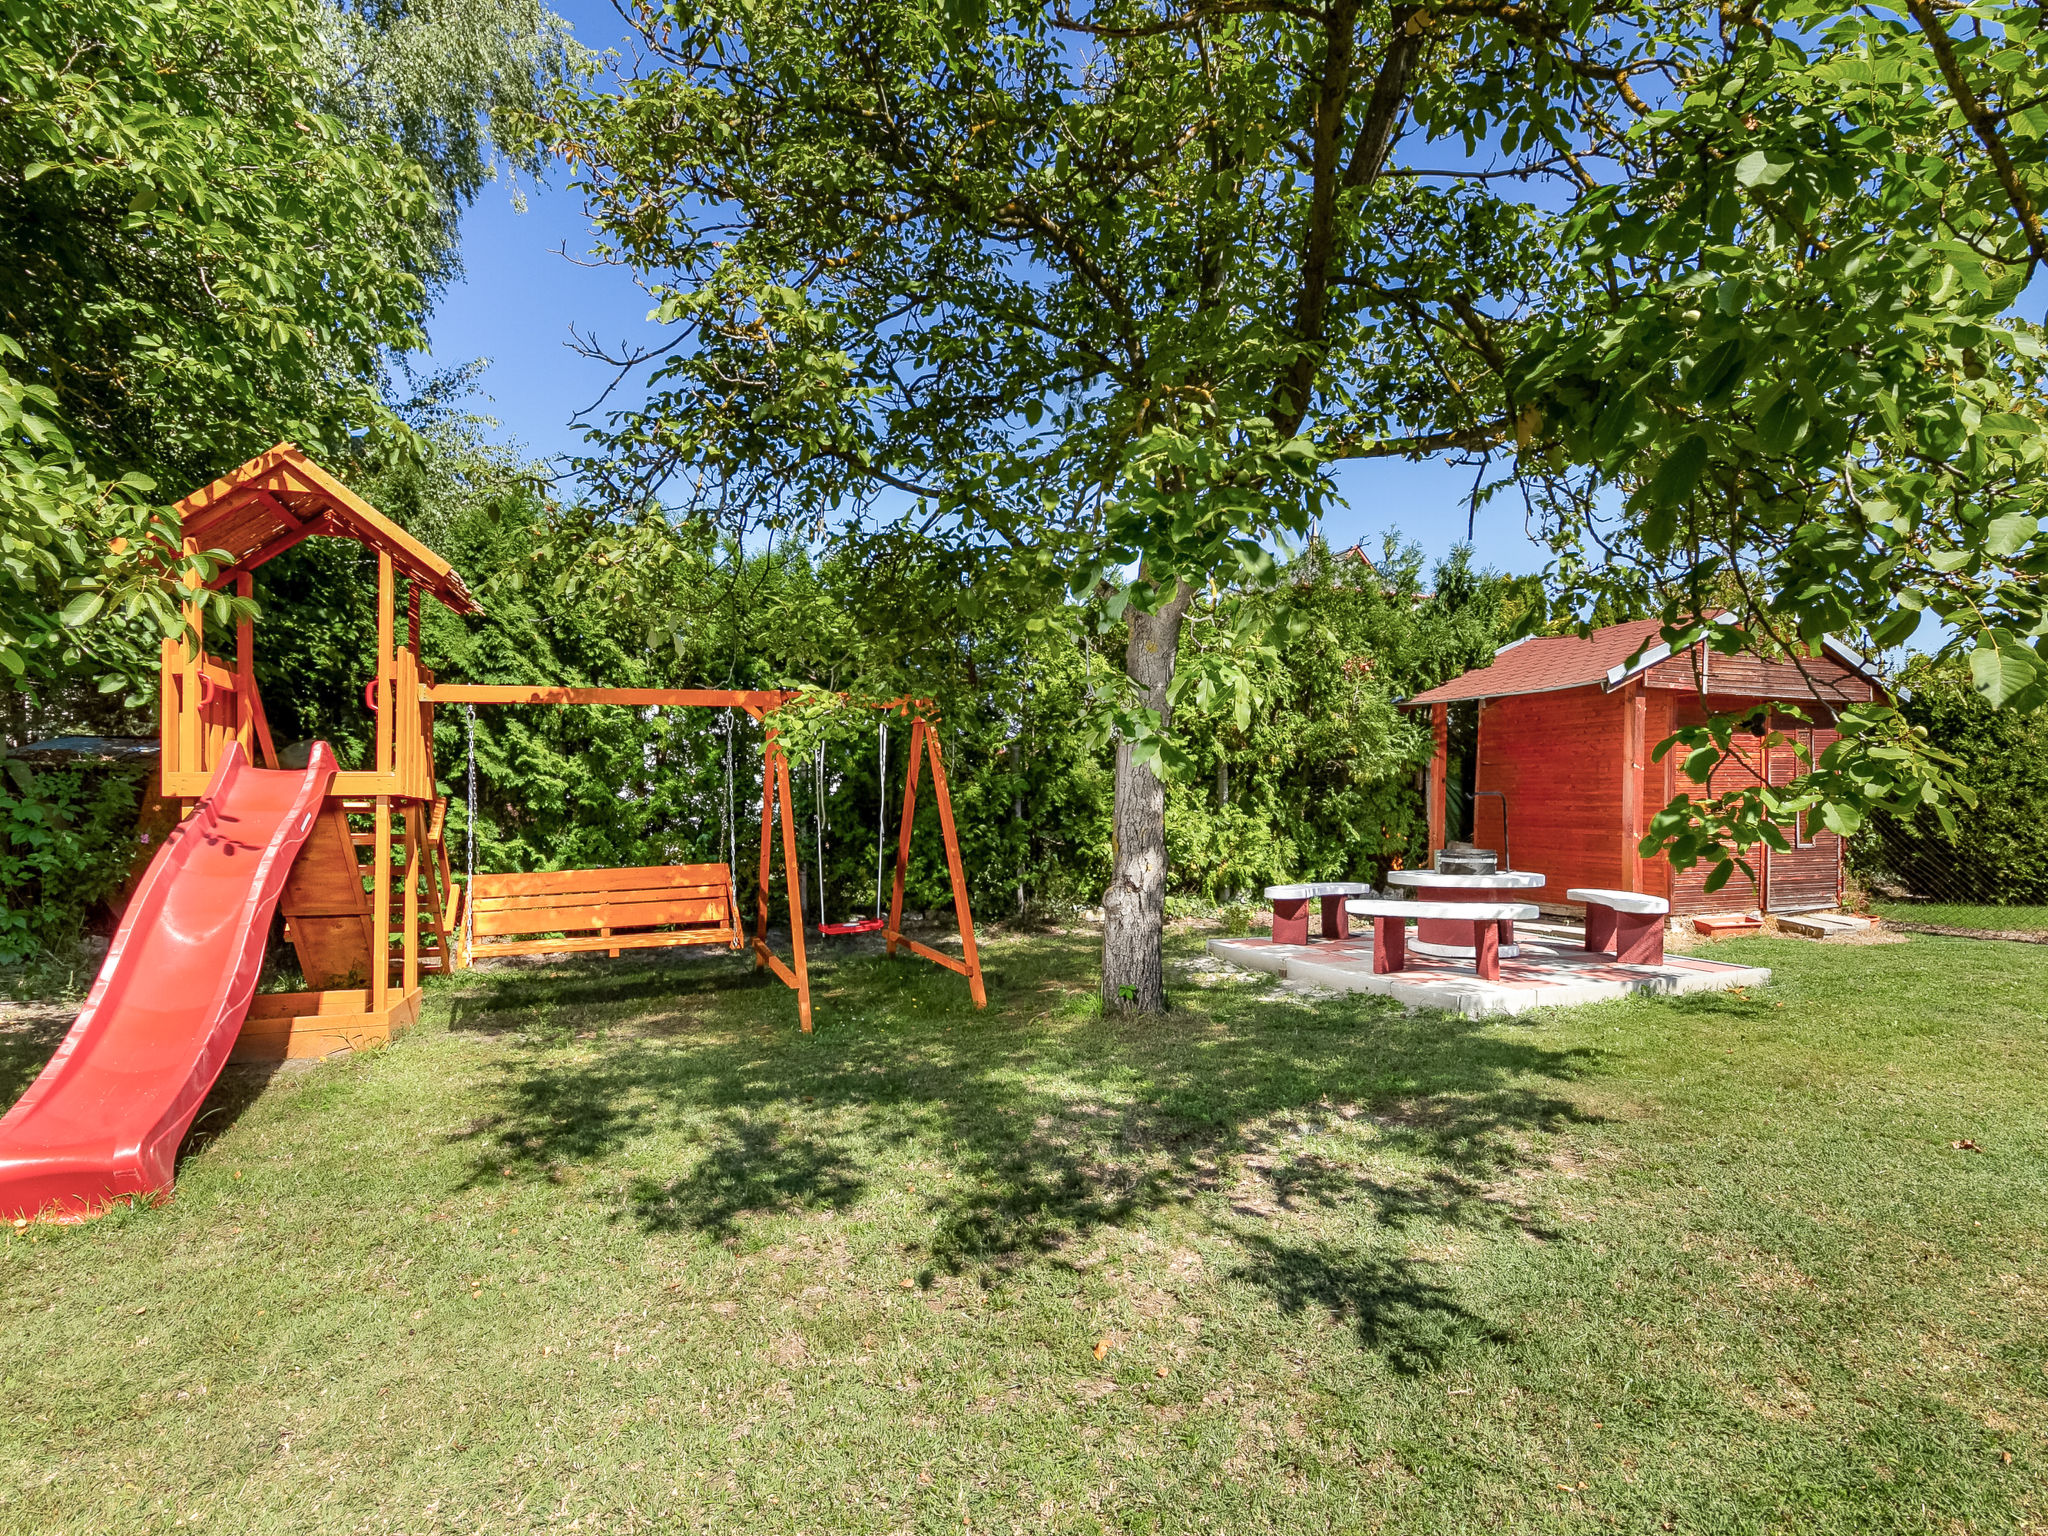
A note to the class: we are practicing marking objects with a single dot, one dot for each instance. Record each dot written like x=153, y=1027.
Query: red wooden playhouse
x=1544, y=757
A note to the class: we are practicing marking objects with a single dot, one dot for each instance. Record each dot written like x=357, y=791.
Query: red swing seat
x=858, y=925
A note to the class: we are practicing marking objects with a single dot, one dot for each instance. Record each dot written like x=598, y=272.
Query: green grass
x=612, y=1247
x=1945, y=914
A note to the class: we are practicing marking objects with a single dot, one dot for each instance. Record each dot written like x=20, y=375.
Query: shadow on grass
x=1401, y=1312
x=1057, y=1125
x=1724, y=1005
x=234, y=1093
x=752, y=1166
x=29, y=1037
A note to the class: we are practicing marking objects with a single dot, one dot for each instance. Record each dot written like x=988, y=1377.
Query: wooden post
x=380, y=909
x=767, y=831
x=412, y=617
x=961, y=912
x=894, y=932
x=245, y=672
x=1439, y=767
x=245, y=682
x=1634, y=709
x=189, y=759
x=795, y=883
x=410, y=972
x=169, y=720
x=385, y=624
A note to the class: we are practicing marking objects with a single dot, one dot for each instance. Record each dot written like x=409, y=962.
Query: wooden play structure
x=372, y=901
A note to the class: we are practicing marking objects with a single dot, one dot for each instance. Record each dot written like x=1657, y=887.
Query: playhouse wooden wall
x=1575, y=766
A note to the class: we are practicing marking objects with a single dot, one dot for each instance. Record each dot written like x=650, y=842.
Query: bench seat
x=1450, y=911
x=1290, y=908
x=578, y=910
x=1625, y=924
x=1621, y=901
x=1390, y=929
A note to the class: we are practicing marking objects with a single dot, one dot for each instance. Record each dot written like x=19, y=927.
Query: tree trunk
x=1134, y=906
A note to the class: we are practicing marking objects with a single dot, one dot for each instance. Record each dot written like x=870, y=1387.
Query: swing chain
x=732, y=847
x=818, y=820
x=881, y=814
x=469, y=829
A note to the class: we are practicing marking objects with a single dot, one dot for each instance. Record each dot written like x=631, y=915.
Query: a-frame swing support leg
x=923, y=740
x=774, y=787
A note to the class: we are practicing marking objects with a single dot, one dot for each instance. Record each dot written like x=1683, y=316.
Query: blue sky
x=527, y=282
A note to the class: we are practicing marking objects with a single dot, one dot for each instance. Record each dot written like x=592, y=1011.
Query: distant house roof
x=1545, y=663
x=1549, y=663
x=279, y=498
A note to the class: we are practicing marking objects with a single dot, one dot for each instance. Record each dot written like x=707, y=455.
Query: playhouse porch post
x=1439, y=769
x=385, y=626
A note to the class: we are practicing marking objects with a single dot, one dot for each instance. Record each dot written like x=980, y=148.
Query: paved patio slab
x=1549, y=973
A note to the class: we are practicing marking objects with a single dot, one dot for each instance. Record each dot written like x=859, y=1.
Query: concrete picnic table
x=1453, y=941
x=1290, y=909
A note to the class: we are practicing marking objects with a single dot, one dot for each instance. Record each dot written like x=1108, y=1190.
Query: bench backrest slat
x=573, y=901
x=601, y=898
x=583, y=881
x=576, y=919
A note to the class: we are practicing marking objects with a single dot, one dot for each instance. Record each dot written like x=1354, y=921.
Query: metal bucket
x=1465, y=859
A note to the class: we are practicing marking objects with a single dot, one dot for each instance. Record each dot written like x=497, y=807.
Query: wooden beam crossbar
x=715, y=698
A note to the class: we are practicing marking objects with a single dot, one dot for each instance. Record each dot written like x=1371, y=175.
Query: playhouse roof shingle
x=1544, y=663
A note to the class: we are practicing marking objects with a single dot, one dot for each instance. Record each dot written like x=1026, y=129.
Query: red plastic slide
x=105, y=1118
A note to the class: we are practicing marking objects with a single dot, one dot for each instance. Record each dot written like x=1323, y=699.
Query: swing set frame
x=777, y=805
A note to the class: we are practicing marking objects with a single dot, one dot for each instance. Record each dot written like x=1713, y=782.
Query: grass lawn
x=1946, y=914
x=612, y=1247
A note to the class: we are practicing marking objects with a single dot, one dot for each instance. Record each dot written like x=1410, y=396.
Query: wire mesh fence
x=1975, y=877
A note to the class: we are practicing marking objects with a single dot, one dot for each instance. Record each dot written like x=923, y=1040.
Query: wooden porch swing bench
x=581, y=910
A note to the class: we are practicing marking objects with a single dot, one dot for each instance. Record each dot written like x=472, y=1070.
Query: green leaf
x=2010, y=533
x=2002, y=668
x=1715, y=376
x=80, y=609
x=1782, y=423
x=1898, y=628
x=1676, y=477
x=1762, y=168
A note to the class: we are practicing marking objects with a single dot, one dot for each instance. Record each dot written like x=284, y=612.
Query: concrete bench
x=1484, y=918
x=1625, y=924
x=1290, y=909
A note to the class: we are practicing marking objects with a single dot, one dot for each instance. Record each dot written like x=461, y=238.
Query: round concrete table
x=1442, y=939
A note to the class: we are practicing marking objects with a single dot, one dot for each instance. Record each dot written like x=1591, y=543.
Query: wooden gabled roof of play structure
x=280, y=498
